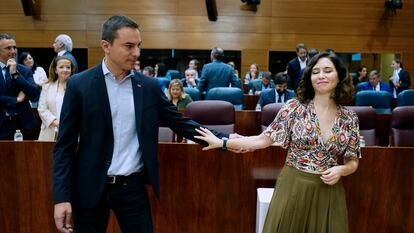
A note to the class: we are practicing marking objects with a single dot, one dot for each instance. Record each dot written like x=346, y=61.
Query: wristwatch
x=224, y=147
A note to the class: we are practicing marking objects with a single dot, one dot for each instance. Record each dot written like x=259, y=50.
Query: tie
x=2, y=79
x=279, y=98
x=8, y=77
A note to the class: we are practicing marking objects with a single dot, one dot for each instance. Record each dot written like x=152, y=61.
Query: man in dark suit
x=16, y=88
x=63, y=46
x=106, y=150
x=296, y=66
x=400, y=79
x=217, y=73
x=374, y=83
x=280, y=94
x=190, y=79
x=258, y=85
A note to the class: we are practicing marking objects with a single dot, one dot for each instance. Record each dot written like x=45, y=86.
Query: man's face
x=374, y=80
x=281, y=87
x=57, y=46
x=137, y=66
x=124, y=50
x=302, y=54
x=7, y=50
x=190, y=75
x=265, y=81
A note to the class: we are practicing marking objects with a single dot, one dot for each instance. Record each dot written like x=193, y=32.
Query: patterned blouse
x=296, y=127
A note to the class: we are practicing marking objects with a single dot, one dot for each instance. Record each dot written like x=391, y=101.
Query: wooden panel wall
x=345, y=25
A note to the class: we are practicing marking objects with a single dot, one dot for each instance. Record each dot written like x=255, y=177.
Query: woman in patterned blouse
x=317, y=131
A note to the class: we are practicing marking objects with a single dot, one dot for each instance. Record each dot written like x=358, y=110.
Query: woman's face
x=63, y=69
x=253, y=69
x=28, y=61
x=363, y=72
x=324, y=76
x=175, y=91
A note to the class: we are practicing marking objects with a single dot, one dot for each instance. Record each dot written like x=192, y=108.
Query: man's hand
x=63, y=216
x=11, y=64
x=20, y=97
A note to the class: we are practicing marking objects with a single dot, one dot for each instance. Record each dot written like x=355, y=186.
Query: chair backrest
x=214, y=114
x=193, y=92
x=359, y=86
x=405, y=98
x=367, y=123
x=269, y=112
x=165, y=134
x=402, y=126
x=173, y=74
x=165, y=80
x=233, y=95
x=254, y=82
x=379, y=100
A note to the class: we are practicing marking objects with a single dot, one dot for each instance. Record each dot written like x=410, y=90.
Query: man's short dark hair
x=300, y=46
x=5, y=36
x=111, y=26
x=280, y=78
x=217, y=53
x=267, y=75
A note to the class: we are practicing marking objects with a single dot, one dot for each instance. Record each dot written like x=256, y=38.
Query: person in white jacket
x=51, y=97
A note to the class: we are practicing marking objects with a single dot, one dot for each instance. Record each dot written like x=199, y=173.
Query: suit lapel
x=137, y=89
x=102, y=95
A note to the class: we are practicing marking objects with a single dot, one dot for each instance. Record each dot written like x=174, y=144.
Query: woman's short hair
x=344, y=90
x=52, y=68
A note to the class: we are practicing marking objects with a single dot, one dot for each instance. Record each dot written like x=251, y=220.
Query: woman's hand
x=332, y=175
x=210, y=138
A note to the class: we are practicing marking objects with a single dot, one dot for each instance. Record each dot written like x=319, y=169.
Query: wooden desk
x=212, y=191
x=250, y=101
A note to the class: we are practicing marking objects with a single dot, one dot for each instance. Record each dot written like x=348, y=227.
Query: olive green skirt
x=302, y=203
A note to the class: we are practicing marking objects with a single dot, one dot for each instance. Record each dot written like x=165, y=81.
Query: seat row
x=220, y=116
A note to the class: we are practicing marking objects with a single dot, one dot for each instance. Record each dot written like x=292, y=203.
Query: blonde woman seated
x=51, y=97
x=176, y=94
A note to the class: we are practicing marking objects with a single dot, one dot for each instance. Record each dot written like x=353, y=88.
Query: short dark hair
x=280, y=78
x=344, y=90
x=312, y=52
x=150, y=70
x=111, y=26
x=300, y=46
x=5, y=36
x=217, y=53
x=267, y=75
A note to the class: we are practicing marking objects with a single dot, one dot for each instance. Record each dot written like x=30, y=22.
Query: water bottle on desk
x=18, y=136
x=361, y=141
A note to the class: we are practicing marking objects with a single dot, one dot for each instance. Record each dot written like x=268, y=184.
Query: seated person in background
x=51, y=97
x=374, y=83
x=233, y=66
x=252, y=74
x=266, y=83
x=176, y=94
x=193, y=64
x=190, y=79
x=150, y=72
x=137, y=66
x=280, y=94
x=39, y=74
x=160, y=71
x=361, y=77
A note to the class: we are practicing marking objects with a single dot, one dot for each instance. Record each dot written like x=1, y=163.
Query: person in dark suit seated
x=296, y=66
x=217, y=73
x=374, y=83
x=17, y=87
x=63, y=47
x=264, y=84
x=190, y=79
x=400, y=79
x=106, y=150
x=280, y=94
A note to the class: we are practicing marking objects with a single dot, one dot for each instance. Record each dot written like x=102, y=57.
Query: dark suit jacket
x=366, y=86
x=72, y=58
x=269, y=96
x=8, y=93
x=258, y=85
x=217, y=74
x=404, y=79
x=84, y=147
x=294, y=73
